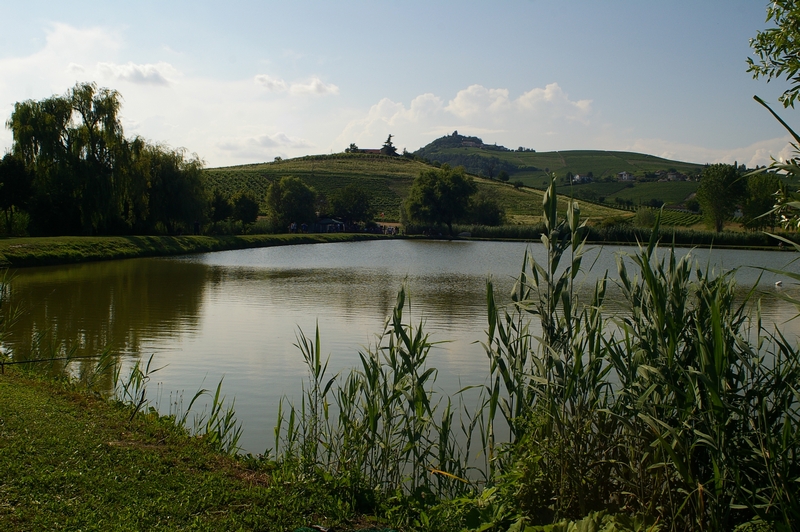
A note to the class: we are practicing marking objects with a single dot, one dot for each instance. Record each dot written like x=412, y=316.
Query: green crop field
x=387, y=179
x=532, y=168
x=671, y=192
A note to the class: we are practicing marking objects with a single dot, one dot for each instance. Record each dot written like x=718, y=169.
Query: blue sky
x=245, y=81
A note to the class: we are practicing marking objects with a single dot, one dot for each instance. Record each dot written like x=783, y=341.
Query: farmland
x=387, y=179
x=532, y=168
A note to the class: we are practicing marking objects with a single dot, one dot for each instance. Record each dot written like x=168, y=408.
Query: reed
x=680, y=412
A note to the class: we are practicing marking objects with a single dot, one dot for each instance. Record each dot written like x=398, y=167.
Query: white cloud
x=553, y=99
x=476, y=100
x=262, y=146
x=270, y=83
x=313, y=86
x=537, y=114
x=147, y=74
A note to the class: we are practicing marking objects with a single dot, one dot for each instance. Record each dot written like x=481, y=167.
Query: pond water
x=236, y=314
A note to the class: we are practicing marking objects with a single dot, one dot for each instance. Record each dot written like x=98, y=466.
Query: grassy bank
x=72, y=461
x=45, y=251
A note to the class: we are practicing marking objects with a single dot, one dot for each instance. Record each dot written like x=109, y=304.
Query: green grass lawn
x=72, y=461
x=41, y=251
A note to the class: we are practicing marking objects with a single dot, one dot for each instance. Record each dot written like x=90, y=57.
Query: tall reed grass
x=680, y=412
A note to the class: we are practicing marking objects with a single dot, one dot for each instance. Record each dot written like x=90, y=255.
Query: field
x=671, y=193
x=387, y=179
x=532, y=167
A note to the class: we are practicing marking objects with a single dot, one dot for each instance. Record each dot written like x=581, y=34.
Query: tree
x=89, y=179
x=778, y=49
x=351, y=204
x=220, y=206
x=485, y=210
x=245, y=207
x=388, y=148
x=721, y=188
x=73, y=144
x=439, y=196
x=290, y=201
x=352, y=149
x=15, y=188
x=503, y=176
x=177, y=195
x=760, y=200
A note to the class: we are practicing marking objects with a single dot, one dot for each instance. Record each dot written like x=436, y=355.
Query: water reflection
x=107, y=304
x=236, y=313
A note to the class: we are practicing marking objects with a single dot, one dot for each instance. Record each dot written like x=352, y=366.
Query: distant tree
x=220, y=206
x=760, y=200
x=485, y=210
x=351, y=204
x=245, y=207
x=177, y=194
x=388, y=148
x=693, y=205
x=720, y=190
x=778, y=48
x=16, y=187
x=290, y=200
x=352, y=148
x=278, y=158
x=644, y=217
x=518, y=184
x=503, y=176
x=439, y=196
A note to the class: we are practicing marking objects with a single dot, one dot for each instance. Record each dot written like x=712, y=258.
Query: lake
x=235, y=314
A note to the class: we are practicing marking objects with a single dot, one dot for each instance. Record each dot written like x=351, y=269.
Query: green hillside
x=532, y=167
x=387, y=179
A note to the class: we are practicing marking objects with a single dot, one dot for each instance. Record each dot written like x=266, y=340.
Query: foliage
x=351, y=204
x=290, y=201
x=245, y=207
x=15, y=188
x=391, y=437
x=778, y=48
x=89, y=179
x=721, y=188
x=220, y=207
x=757, y=208
x=177, y=196
x=681, y=414
x=484, y=209
x=439, y=196
x=388, y=148
x=644, y=217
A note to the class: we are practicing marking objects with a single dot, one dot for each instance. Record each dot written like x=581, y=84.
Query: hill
x=532, y=167
x=387, y=179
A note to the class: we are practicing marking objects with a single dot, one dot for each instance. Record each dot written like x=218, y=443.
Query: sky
x=247, y=81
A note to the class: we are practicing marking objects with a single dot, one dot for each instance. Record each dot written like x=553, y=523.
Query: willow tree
x=72, y=144
x=90, y=179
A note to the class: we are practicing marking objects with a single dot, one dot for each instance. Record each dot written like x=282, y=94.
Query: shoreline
x=28, y=252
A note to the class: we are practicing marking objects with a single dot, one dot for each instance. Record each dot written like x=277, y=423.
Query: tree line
x=72, y=171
